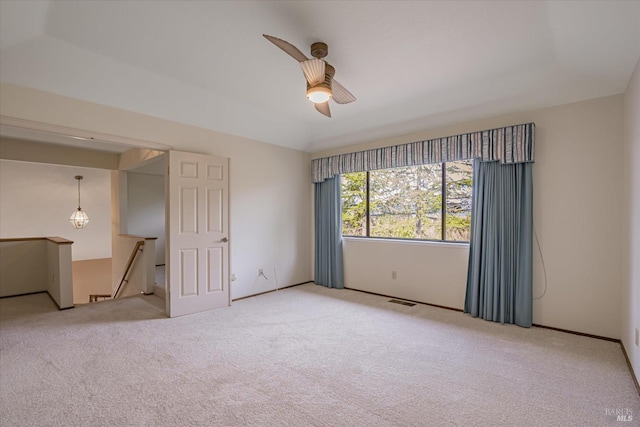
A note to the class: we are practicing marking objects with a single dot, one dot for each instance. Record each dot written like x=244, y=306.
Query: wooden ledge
x=131, y=236
x=59, y=240
x=54, y=239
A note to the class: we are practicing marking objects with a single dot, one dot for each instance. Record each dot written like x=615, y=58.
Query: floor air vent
x=397, y=301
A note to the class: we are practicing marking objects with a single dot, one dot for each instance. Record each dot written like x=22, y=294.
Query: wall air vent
x=397, y=301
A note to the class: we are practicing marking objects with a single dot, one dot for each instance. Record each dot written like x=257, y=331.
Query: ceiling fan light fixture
x=319, y=94
x=321, y=87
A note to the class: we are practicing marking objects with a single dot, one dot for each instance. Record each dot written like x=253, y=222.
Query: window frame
x=443, y=210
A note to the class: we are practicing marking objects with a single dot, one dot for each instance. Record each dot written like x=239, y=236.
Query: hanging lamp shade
x=79, y=218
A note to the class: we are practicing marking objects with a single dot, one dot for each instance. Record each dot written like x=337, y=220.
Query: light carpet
x=303, y=356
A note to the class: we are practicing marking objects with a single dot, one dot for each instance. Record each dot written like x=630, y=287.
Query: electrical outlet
x=233, y=277
x=394, y=275
x=260, y=272
x=637, y=336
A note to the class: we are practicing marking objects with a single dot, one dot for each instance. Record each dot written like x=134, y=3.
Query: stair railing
x=132, y=257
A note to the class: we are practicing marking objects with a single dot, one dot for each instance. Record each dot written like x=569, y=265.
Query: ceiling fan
x=321, y=87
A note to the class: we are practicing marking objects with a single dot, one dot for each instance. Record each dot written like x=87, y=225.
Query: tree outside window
x=409, y=202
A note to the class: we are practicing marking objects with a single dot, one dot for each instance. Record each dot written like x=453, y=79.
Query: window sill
x=386, y=240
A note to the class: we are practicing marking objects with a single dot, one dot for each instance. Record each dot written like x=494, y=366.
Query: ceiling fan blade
x=287, y=47
x=340, y=94
x=313, y=70
x=324, y=108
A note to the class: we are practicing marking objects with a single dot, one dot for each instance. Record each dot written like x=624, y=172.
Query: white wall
x=425, y=271
x=17, y=261
x=631, y=284
x=37, y=199
x=37, y=265
x=270, y=218
x=145, y=209
x=270, y=213
x=59, y=273
x=578, y=200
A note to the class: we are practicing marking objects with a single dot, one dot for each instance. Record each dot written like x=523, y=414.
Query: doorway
x=145, y=211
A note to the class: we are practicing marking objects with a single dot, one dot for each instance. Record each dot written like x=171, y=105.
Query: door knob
x=224, y=239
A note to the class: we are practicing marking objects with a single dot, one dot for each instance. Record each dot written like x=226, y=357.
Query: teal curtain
x=499, y=279
x=328, y=234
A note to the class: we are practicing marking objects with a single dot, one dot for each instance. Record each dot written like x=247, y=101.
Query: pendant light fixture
x=79, y=218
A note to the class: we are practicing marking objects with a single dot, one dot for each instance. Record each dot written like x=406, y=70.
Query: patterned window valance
x=511, y=144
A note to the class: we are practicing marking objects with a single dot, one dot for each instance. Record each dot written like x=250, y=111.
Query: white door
x=197, y=233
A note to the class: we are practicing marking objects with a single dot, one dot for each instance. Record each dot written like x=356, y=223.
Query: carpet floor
x=303, y=356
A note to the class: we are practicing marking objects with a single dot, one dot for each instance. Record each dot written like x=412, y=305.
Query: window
x=426, y=202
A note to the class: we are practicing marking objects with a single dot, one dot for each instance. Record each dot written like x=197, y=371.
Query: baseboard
x=583, y=334
x=39, y=292
x=58, y=305
x=271, y=290
x=633, y=374
x=25, y=294
x=409, y=300
x=296, y=284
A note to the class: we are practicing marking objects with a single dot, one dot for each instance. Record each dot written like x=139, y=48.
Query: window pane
x=406, y=202
x=458, y=219
x=354, y=204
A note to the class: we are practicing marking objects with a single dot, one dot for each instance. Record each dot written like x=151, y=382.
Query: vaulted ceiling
x=413, y=65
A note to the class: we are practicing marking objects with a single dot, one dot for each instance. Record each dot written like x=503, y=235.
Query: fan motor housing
x=319, y=50
x=329, y=72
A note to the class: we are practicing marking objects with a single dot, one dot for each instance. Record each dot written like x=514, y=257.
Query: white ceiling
x=413, y=65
